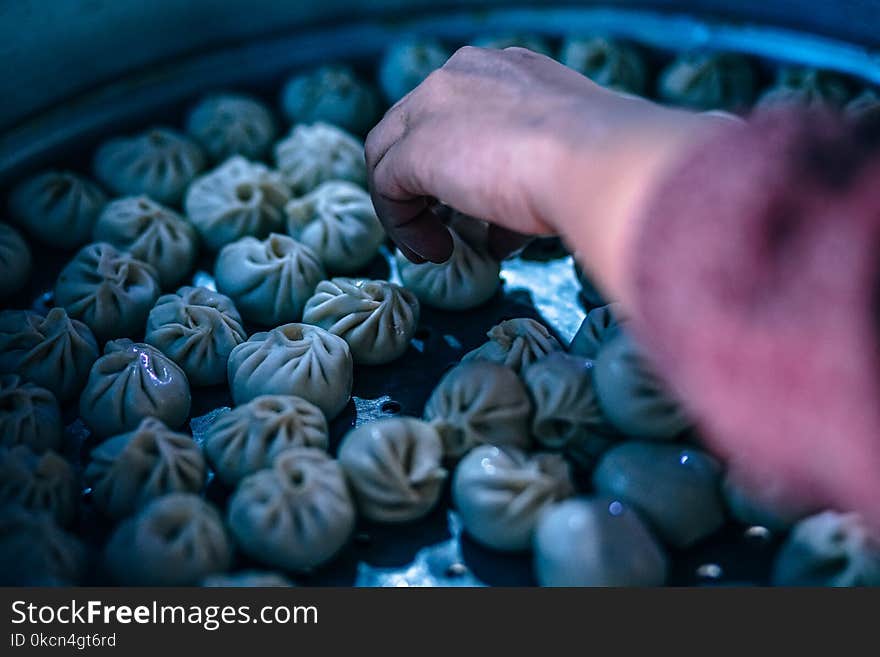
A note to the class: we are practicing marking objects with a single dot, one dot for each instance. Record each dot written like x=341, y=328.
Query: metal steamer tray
x=541, y=283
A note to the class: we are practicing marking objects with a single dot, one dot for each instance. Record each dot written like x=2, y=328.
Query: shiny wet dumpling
x=407, y=63
x=293, y=359
x=295, y=515
x=250, y=436
x=176, y=540
x=395, y=468
x=55, y=351
x=609, y=62
x=35, y=551
x=237, y=199
x=130, y=382
x=708, y=81
x=516, y=343
x=808, y=87
x=15, y=261
x=269, y=280
x=477, y=403
x=316, y=153
x=248, y=579
x=599, y=326
x=58, y=208
x=500, y=492
x=337, y=221
x=152, y=233
x=231, y=124
x=376, y=318
x=39, y=482
x=333, y=94
x=197, y=328
x=29, y=415
x=108, y=290
x=130, y=470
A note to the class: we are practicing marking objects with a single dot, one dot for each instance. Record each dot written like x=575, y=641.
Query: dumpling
x=130, y=470
x=250, y=436
x=151, y=233
x=130, y=382
x=500, y=492
x=829, y=549
x=35, y=551
x=176, y=540
x=231, y=124
x=197, y=328
x=59, y=208
x=237, y=199
x=675, y=488
x=269, y=280
x=708, y=81
x=533, y=42
x=752, y=504
x=29, y=415
x=395, y=468
x=332, y=94
x=611, y=63
x=376, y=318
x=297, y=514
x=294, y=359
x=596, y=542
x=338, y=222
x=479, y=402
x=55, y=351
x=15, y=261
x=407, y=63
x=599, y=326
x=807, y=86
x=516, y=343
x=315, y=153
x=249, y=579
x=160, y=163
x=39, y=482
x=632, y=398
x=865, y=106
x=108, y=290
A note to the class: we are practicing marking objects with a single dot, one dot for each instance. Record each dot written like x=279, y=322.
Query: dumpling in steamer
x=39, y=482
x=406, y=64
x=231, y=124
x=35, y=551
x=809, y=87
x=29, y=415
x=708, y=81
x=376, y=318
x=599, y=326
x=332, y=94
x=516, y=343
x=611, y=63
x=316, y=153
x=15, y=261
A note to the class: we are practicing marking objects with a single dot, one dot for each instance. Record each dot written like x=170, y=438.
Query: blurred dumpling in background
x=407, y=63
x=516, y=343
x=35, y=551
x=809, y=87
x=708, y=81
x=611, y=63
x=29, y=415
x=39, y=482
x=15, y=261
x=332, y=94
x=316, y=153
x=865, y=106
x=228, y=124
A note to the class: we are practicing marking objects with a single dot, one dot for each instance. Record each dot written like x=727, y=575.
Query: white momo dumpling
x=15, y=261
x=131, y=469
x=333, y=94
x=35, y=551
x=500, y=493
x=250, y=436
x=130, y=382
x=108, y=290
x=40, y=482
x=338, y=222
x=231, y=124
x=29, y=415
x=608, y=62
x=294, y=359
x=269, y=280
x=160, y=163
x=152, y=233
x=237, y=199
x=394, y=467
x=176, y=540
x=376, y=318
x=516, y=343
x=313, y=154
x=54, y=351
x=407, y=63
x=295, y=515
x=197, y=328
x=248, y=579
x=479, y=402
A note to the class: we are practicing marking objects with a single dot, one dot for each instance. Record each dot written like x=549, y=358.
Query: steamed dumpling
x=865, y=106
x=500, y=493
x=151, y=233
x=108, y=290
x=338, y=222
x=39, y=482
x=248, y=579
x=332, y=94
x=15, y=261
x=269, y=280
x=160, y=163
x=250, y=436
x=316, y=153
x=35, y=551
x=29, y=415
x=55, y=351
x=753, y=499
x=395, y=468
x=197, y=328
x=376, y=318
x=599, y=326
x=516, y=343
x=131, y=469
x=708, y=81
x=297, y=514
x=809, y=87
x=176, y=540
x=294, y=359
x=533, y=42
x=611, y=63
x=231, y=124
x=130, y=382
x=406, y=64
x=237, y=199
x=479, y=402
